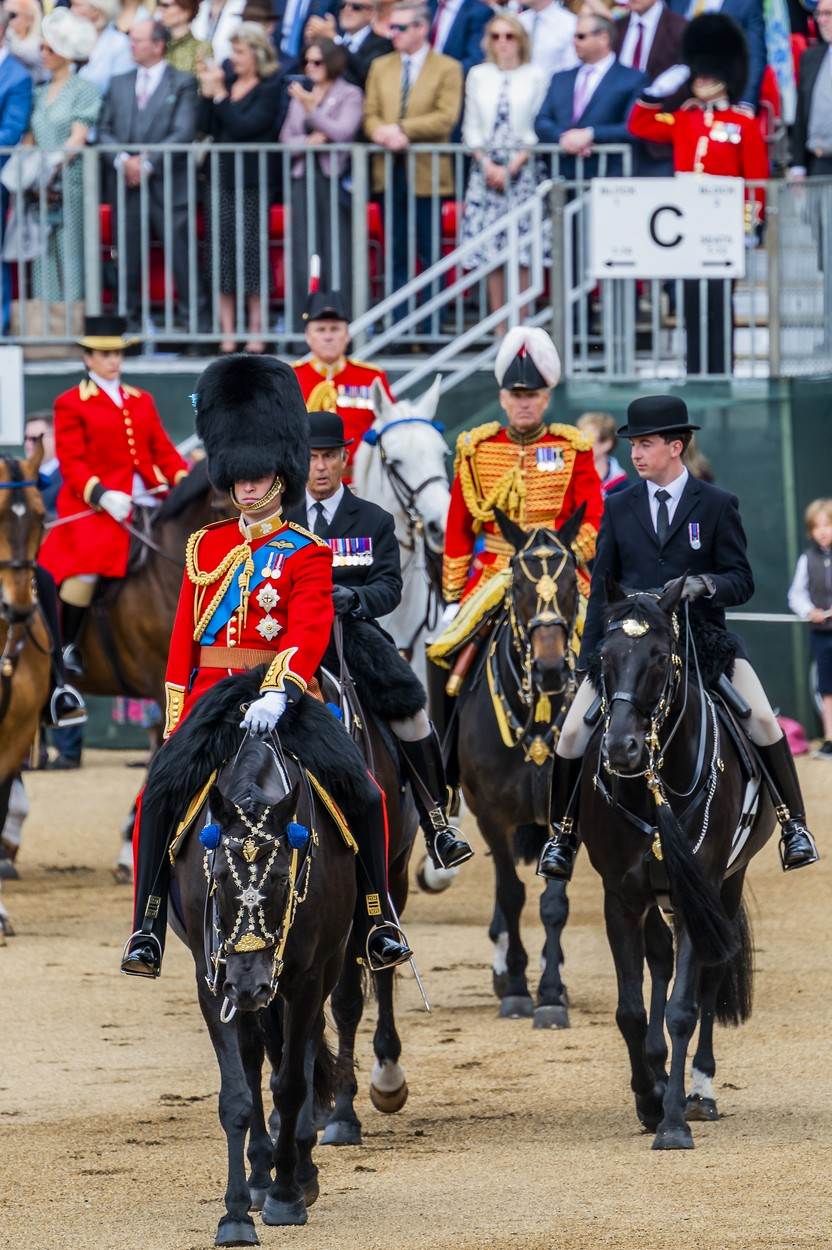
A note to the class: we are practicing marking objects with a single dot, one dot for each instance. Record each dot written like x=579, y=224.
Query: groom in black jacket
x=665, y=526
x=366, y=572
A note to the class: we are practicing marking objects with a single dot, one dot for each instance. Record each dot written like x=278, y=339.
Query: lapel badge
x=267, y=597
x=693, y=535
x=549, y=459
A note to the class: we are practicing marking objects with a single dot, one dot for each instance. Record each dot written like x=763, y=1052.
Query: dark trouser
x=719, y=350
x=819, y=167
x=176, y=260
x=335, y=253
x=69, y=741
x=413, y=215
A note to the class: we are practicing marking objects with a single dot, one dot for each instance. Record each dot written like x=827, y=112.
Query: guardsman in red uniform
x=110, y=443
x=710, y=134
x=331, y=381
x=255, y=591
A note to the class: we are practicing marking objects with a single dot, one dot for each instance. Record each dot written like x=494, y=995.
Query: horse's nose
x=248, y=998
x=435, y=534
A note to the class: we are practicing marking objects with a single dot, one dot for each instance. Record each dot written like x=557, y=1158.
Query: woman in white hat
x=64, y=111
x=111, y=54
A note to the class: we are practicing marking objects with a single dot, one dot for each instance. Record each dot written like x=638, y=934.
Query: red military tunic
x=101, y=447
x=724, y=140
x=537, y=481
x=250, y=594
x=343, y=387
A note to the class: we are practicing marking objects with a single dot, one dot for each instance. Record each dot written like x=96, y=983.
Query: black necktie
x=663, y=518
x=321, y=528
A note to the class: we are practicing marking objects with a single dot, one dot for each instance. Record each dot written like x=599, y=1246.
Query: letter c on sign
x=654, y=223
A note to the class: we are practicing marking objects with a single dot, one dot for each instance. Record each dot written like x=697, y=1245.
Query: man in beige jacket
x=413, y=95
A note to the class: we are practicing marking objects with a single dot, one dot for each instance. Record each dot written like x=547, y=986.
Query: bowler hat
x=656, y=414
x=326, y=429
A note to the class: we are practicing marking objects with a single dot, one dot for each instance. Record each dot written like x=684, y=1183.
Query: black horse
x=265, y=897
x=511, y=704
x=672, y=810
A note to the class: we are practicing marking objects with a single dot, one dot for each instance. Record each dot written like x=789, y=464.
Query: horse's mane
x=184, y=494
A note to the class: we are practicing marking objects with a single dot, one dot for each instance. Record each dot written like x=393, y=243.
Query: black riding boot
x=442, y=711
x=377, y=928
x=446, y=846
x=143, y=951
x=557, y=859
x=66, y=707
x=72, y=621
x=797, y=846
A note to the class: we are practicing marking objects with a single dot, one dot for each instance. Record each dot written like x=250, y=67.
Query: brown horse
x=25, y=645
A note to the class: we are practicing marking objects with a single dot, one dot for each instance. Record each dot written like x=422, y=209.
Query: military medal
x=549, y=459
x=693, y=535
x=267, y=597
x=347, y=552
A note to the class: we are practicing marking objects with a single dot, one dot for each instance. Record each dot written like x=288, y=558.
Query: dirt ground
x=109, y=1138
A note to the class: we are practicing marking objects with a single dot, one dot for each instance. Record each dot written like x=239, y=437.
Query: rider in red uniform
x=257, y=591
x=110, y=443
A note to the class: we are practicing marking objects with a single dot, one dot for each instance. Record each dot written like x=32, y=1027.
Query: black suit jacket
x=809, y=69
x=377, y=585
x=628, y=549
x=358, y=63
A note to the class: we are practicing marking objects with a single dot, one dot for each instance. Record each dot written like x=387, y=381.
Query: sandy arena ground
x=109, y=1138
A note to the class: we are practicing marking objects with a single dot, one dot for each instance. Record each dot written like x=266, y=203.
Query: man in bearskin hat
x=366, y=571
x=110, y=443
x=665, y=526
x=330, y=380
x=711, y=133
x=256, y=593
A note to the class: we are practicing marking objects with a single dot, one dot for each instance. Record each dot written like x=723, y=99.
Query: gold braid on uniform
x=323, y=397
x=579, y=440
x=585, y=543
x=511, y=484
x=226, y=569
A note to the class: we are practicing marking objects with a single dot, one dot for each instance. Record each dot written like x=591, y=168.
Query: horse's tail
x=712, y=933
x=736, y=990
x=323, y=1079
x=528, y=842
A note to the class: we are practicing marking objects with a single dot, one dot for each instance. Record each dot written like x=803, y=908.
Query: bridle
x=249, y=930
x=17, y=619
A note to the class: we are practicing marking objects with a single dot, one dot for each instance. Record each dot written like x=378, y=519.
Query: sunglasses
x=312, y=60
x=399, y=29
x=500, y=36
x=587, y=35
x=356, y=8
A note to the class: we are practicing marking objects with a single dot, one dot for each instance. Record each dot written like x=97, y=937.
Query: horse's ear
x=511, y=531
x=35, y=460
x=430, y=400
x=672, y=594
x=615, y=592
x=570, y=529
x=382, y=407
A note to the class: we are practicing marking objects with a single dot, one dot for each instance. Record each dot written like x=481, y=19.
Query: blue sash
x=268, y=557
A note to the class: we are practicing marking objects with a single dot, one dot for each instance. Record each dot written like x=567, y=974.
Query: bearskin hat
x=252, y=421
x=713, y=46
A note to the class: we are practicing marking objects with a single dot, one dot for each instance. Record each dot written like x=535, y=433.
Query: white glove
x=264, y=713
x=668, y=82
x=117, y=503
x=448, y=615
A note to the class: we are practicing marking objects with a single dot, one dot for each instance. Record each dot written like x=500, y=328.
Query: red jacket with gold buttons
x=343, y=387
x=257, y=594
x=102, y=447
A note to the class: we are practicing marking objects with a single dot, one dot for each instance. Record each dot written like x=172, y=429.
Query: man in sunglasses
x=356, y=30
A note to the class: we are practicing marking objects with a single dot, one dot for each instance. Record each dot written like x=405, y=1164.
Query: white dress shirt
x=353, y=42
x=552, y=32
x=330, y=507
x=447, y=16
x=111, y=389
x=647, y=22
x=674, y=490
x=148, y=79
x=415, y=62
x=589, y=76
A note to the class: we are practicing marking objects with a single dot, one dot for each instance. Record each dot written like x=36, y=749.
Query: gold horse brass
x=633, y=628
x=546, y=588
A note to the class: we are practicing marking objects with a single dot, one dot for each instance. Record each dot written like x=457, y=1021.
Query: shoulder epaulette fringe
x=579, y=440
x=321, y=542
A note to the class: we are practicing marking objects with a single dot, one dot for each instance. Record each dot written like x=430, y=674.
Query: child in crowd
x=600, y=427
x=810, y=598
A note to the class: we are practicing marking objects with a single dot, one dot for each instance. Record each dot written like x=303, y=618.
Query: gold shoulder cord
x=509, y=493
x=225, y=569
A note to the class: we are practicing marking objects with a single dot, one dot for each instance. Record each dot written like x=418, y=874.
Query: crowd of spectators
x=502, y=78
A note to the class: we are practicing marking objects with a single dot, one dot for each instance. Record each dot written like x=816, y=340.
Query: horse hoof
x=342, y=1133
x=679, y=1138
x=284, y=1213
x=311, y=1191
x=8, y=872
x=516, y=1007
x=433, y=880
x=257, y=1197
x=698, y=1107
x=122, y=875
x=499, y=983
x=388, y=1101
x=551, y=1016
x=236, y=1233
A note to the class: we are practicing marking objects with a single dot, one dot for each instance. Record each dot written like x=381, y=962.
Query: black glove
x=344, y=600
x=697, y=587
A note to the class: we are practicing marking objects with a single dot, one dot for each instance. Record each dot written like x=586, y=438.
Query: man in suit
x=812, y=133
x=355, y=31
x=665, y=526
x=649, y=39
x=457, y=29
x=367, y=583
x=291, y=18
x=414, y=95
x=590, y=105
x=152, y=105
x=748, y=14
x=15, y=107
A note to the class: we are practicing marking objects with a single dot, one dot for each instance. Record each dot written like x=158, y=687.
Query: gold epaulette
x=131, y=390
x=363, y=364
x=579, y=440
x=296, y=364
x=293, y=525
x=469, y=440
x=87, y=389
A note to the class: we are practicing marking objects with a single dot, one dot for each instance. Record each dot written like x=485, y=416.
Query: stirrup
x=803, y=863
x=149, y=937
x=433, y=851
x=399, y=935
x=57, y=722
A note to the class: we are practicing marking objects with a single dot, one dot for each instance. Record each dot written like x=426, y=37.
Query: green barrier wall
x=769, y=442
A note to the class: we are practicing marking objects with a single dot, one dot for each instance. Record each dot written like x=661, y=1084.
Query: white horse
x=401, y=466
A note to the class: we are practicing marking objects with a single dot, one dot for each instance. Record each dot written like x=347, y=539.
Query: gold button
x=126, y=412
